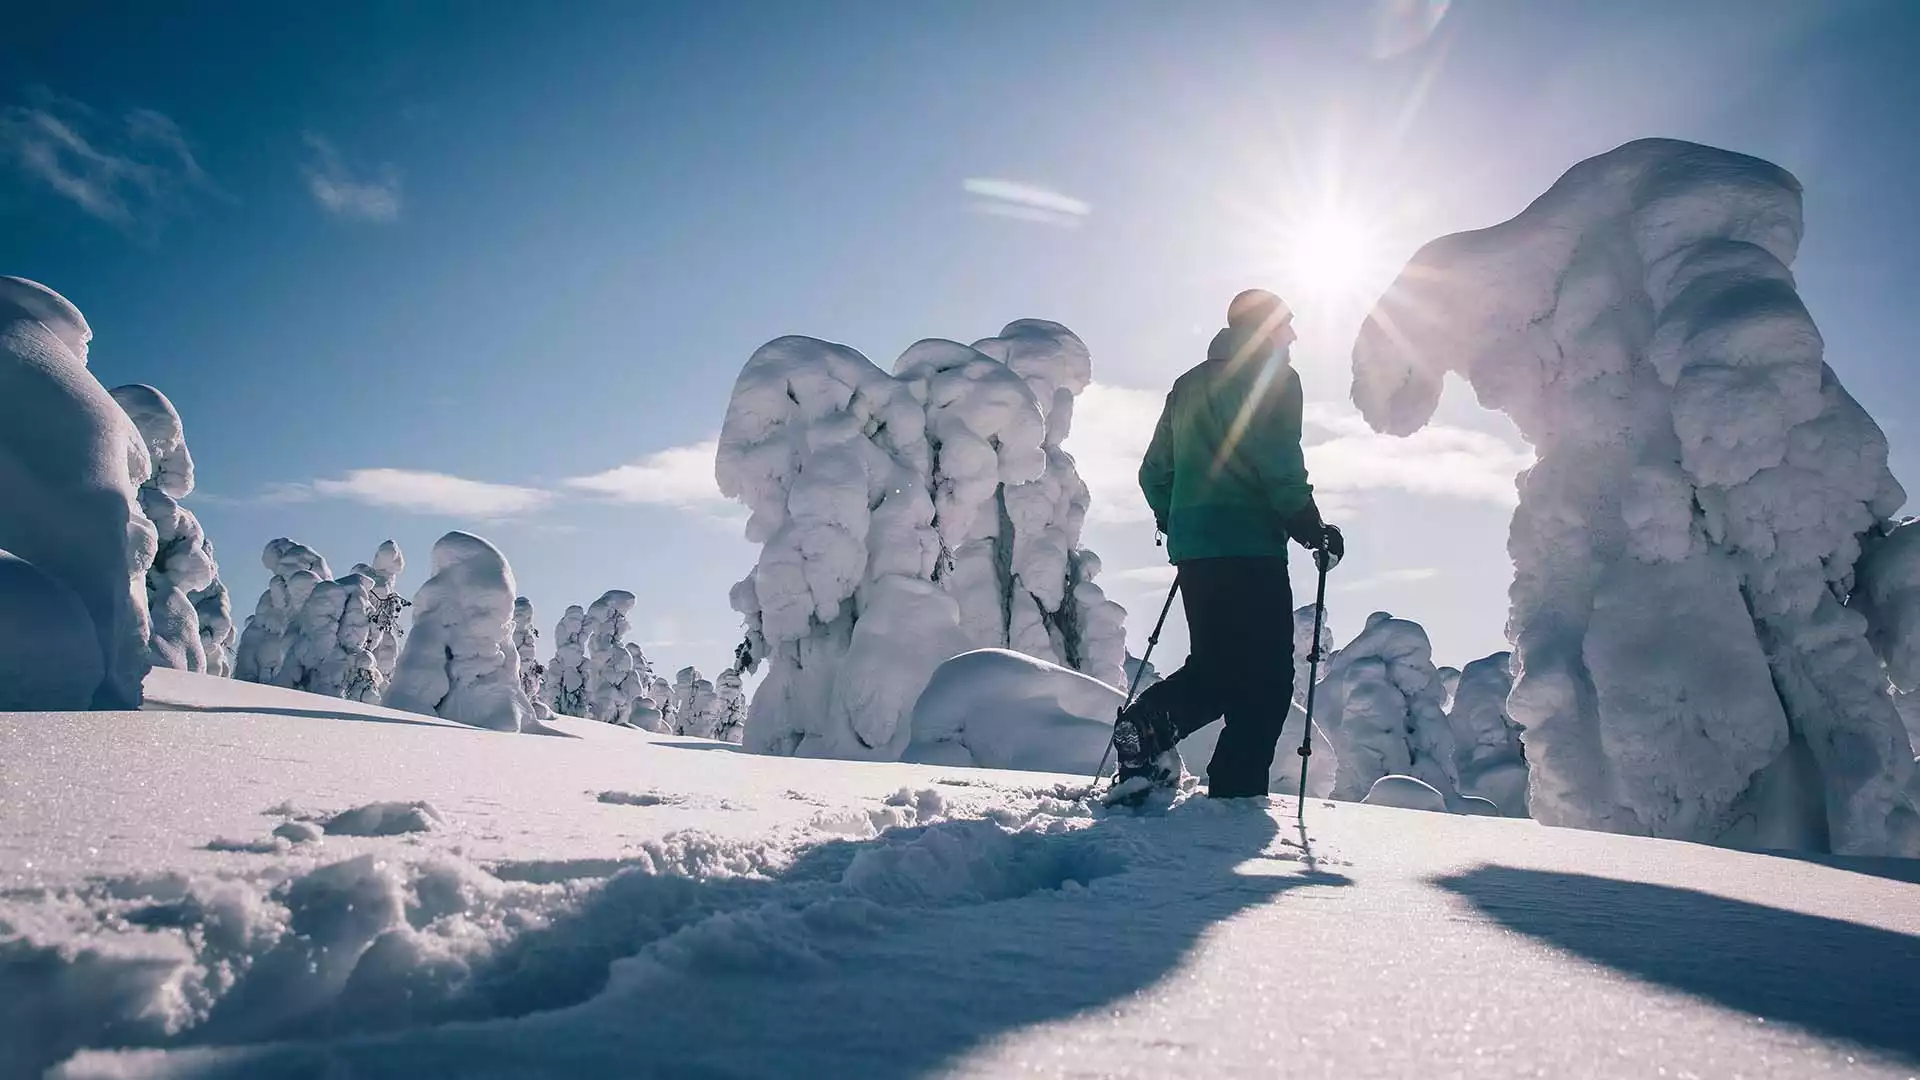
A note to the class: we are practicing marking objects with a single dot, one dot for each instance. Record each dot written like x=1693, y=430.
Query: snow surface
x=458, y=661
x=1685, y=540
x=70, y=466
x=619, y=903
x=904, y=519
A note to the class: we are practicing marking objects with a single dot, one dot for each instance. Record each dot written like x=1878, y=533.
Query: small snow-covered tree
x=1684, y=664
x=213, y=607
x=1488, y=755
x=526, y=644
x=330, y=650
x=183, y=560
x=296, y=570
x=71, y=463
x=565, y=680
x=612, y=683
x=660, y=695
x=459, y=660
x=383, y=574
x=732, y=707
x=1380, y=704
x=680, y=698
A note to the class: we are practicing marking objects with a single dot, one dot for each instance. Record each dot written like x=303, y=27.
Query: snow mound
x=1407, y=793
x=459, y=662
x=1692, y=524
x=1000, y=709
x=385, y=819
x=70, y=466
x=51, y=659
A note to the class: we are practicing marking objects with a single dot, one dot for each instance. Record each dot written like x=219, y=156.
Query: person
x=1227, y=483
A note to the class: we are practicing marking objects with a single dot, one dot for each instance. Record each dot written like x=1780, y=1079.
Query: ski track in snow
x=623, y=904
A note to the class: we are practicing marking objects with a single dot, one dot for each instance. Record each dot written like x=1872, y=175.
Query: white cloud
x=1385, y=577
x=677, y=476
x=1112, y=426
x=138, y=168
x=345, y=195
x=1025, y=202
x=1439, y=459
x=421, y=492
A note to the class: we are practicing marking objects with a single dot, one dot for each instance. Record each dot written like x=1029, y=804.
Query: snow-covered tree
x=565, y=681
x=660, y=698
x=1684, y=664
x=612, y=683
x=183, y=560
x=934, y=508
x=526, y=645
x=459, y=660
x=732, y=722
x=384, y=576
x=1488, y=756
x=71, y=463
x=330, y=642
x=296, y=570
x=213, y=607
x=1380, y=704
x=680, y=702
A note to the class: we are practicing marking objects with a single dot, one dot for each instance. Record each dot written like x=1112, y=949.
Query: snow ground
x=628, y=904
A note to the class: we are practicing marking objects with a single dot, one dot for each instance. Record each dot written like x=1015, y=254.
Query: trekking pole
x=1133, y=684
x=1325, y=563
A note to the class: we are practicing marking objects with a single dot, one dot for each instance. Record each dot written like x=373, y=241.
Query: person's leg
x=1254, y=676
x=1190, y=698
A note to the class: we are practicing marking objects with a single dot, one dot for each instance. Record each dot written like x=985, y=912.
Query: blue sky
x=412, y=267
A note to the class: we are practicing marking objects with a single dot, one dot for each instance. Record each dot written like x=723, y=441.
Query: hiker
x=1227, y=484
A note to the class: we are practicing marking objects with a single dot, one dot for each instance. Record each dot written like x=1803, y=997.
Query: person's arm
x=1277, y=455
x=1156, y=469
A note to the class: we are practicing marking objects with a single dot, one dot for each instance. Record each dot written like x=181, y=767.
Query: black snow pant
x=1240, y=626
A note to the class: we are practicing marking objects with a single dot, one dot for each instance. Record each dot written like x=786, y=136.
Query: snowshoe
x=1133, y=787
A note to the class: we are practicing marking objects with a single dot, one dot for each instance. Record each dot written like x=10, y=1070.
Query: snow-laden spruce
x=1380, y=704
x=459, y=660
x=565, y=682
x=71, y=463
x=270, y=636
x=733, y=706
x=613, y=682
x=1488, y=756
x=905, y=519
x=1684, y=543
x=183, y=562
x=526, y=645
x=383, y=574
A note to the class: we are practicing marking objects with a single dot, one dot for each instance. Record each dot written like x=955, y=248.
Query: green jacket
x=1225, y=475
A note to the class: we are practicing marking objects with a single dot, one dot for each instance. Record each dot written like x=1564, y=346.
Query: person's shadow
x=888, y=957
x=1835, y=979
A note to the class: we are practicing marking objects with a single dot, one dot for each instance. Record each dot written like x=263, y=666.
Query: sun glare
x=1333, y=255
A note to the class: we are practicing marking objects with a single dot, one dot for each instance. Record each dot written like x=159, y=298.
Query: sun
x=1332, y=255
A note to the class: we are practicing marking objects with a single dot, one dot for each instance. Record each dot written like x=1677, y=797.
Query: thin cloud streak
x=344, y=195
x=1022, y=201
x=421, y=492
x=128, y=173
x=679, y=476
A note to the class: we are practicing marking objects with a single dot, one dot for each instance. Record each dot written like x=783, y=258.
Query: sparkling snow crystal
x=1684, y=544
x=904, y=519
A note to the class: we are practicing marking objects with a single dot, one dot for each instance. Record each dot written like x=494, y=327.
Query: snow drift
x=905, y=519
x=1683, y=545
x=70, y=464
x=459, y=662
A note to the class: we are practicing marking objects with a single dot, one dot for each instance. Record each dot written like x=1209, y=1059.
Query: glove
x=1331, y=548
x=1306, y=528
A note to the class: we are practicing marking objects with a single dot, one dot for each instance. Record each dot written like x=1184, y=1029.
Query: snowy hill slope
x=626, y=904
